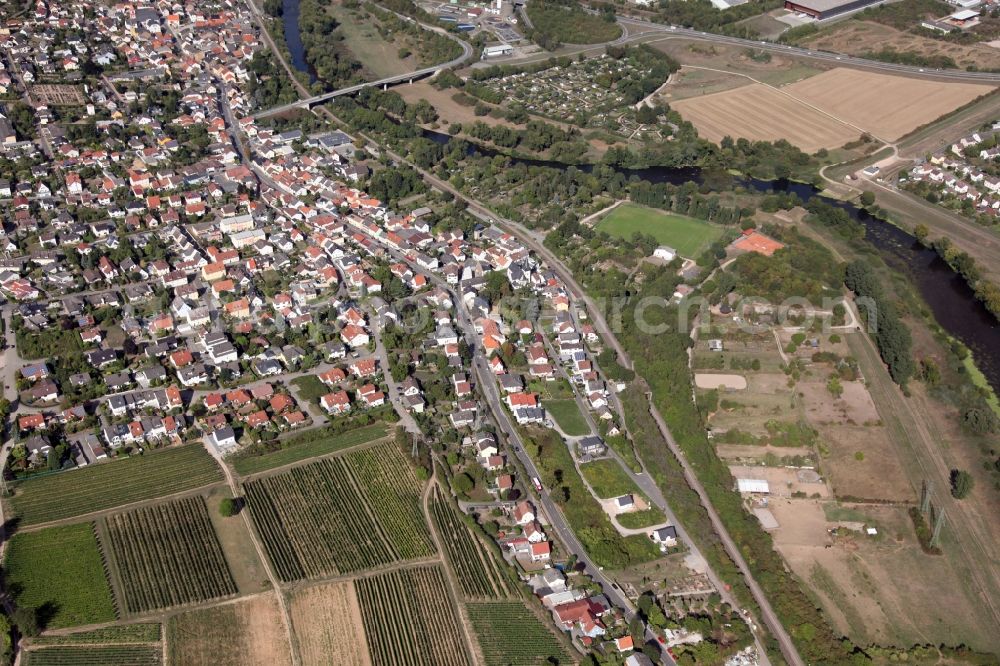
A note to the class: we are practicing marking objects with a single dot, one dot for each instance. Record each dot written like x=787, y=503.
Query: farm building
x=824, y=9
x=753, y=486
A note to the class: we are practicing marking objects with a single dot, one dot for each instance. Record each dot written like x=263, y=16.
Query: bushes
x=961, y=483
x=558, y=22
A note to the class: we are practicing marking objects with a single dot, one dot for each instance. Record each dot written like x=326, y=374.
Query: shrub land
x=340, y=515
x=481, y=572
x=169, y=555
x=510, y=635
x=114, y=483
x=410, y=620
x=59, y=573
x=690, y=237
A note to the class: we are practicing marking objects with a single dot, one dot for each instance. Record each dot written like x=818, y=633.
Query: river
x=293, y=38
x=951, y=300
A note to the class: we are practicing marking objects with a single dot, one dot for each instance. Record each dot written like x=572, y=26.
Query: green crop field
x=481, y=572
x=607, y=478
x=118, y=634
x=94, y=655
x=168, y=555
x=308, y=446
x=341, y=514
x=60, y=573
x=567, y=415
x=511, y=635
x=410, y=619
x=690, y=237
x=111, y=484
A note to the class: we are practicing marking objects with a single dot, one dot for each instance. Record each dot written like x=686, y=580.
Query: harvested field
x=410, y=619
x=247, y=633
x=712, y=381
x=327, y=622
x=761, y=113
x=886, y=106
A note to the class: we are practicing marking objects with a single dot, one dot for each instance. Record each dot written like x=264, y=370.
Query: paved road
x=599, y=322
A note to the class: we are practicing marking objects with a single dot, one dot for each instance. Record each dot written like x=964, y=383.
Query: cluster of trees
x=558, y=22
x=23, y=119
x=702, y=15
x=803, y=268
x=323, y=46
x=892, y=337
x=537, y=136
x=269, y=86
x=395, y=183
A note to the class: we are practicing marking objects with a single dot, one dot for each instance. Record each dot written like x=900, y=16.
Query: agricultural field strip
x=62, y=566
x=169, y=555
x=115, y=634
x=99, y=655
x=284, y=459
x=114, y=484
x=480, y=572
x=311, y=525
x=510, y=634
x=410, y=620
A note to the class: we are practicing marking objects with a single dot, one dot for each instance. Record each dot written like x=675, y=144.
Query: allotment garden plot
x=340, y=515
x=168, y=555
x=410, y=619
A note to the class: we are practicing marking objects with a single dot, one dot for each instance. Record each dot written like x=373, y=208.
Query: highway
x=637, y=31
x=388, y=81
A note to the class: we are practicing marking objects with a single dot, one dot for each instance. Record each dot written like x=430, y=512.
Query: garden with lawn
x=690, y=237
x=567, y=415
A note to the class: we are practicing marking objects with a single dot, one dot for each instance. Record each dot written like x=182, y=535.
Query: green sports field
x=690, y=237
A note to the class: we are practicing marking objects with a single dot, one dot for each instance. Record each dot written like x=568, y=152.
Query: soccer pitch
x=690, y=237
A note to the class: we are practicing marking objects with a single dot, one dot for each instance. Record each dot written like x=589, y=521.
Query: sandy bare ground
x=853, y=407
x=327, y=622
x=875, y=474
x=782, y=481
x=886, y=106
x=712, y=381
x=247, y=633
x=879, y=590
x=762, y=113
